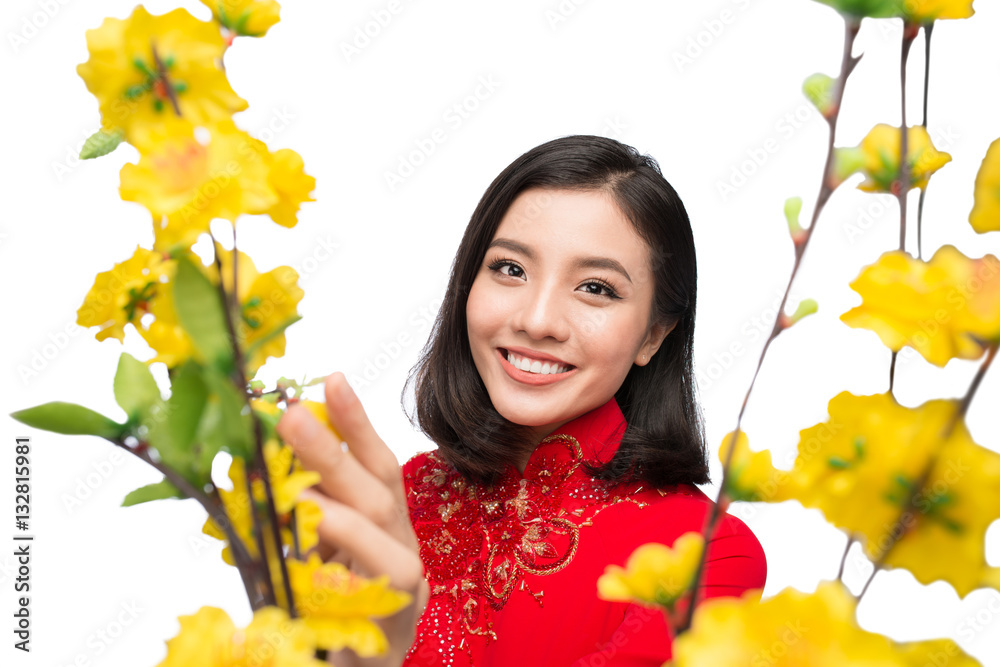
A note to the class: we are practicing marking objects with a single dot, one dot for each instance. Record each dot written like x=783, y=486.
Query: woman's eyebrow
x=579, y=262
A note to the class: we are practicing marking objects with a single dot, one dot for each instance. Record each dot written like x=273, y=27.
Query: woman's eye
x=496, y=266
x=599, y=287
x=516, y=271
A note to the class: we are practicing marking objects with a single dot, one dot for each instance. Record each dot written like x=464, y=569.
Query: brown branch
x=847, y=65
x=260, y=463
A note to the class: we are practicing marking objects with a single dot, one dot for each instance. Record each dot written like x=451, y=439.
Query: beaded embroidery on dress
x=477, y=543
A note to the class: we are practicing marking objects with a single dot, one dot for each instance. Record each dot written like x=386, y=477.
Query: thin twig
x=847, y=65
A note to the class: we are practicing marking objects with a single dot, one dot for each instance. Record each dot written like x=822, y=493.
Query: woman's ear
x=654, y=338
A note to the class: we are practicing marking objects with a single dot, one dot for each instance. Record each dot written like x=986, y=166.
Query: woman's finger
x=341, y=476
x=374, y=551
x=348, y=416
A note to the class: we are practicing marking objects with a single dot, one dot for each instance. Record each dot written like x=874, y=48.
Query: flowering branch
x=898, y=528
x=801, y=240
x=260, y=464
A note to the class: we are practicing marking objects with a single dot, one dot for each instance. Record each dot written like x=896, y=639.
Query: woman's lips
x=526, y=377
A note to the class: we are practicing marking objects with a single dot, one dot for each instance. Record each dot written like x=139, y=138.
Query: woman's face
x=566, y=278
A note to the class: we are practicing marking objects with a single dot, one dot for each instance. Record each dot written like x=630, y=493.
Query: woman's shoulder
x=664, y=514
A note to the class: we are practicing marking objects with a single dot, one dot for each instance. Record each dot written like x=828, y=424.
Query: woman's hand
x=366, y=524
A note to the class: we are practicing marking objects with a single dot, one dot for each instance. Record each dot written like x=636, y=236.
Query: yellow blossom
x=122, y=294
x=236, y=503
x=288, y=178
x=907, y=301
x=985, y=215
x=318, y=410
x=793, y=628
x=251, y=18
x=654, y=574
x=752, y=476
x=267, y=303
x=307, y=518
x=860, y=468
x=208, y=638
x=878, y=158
x=134, y=87
x=339, y=605
x=286, y=483
x=925, y=11
x=185, y=182
x=164, y=333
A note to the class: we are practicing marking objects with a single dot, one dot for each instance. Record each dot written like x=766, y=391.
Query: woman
x=558, y=386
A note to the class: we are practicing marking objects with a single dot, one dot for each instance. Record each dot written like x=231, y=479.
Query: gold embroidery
x=495, y=541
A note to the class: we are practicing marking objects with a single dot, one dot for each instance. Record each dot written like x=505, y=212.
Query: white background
x=374, y=261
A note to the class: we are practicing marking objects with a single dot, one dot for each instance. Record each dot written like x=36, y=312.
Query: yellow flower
x=134, y=93
x=985, y=215
x=164, y=333
x=267, y=302
x=907, y=301
x=286, y=483
x=752, y=476
x=860, y=467
x=123, y=294
x=236, y=504
x=925, y=11
x=293, y=185
x=251, y=18
x=185, y=183
x=307, y=517
x=318, y=410
x=793, y=628
x=655, y=574
x=208, y=638
x=339, y=605
x=878, y=158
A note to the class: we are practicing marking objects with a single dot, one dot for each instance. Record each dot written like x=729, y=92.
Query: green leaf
x=101, y=143
x=847, y=161
x=202, y=314
x=818, y=89
x=69, y=419
x=188, y=394
x=155, y=491
x=793, y=206
x=233, y=431
x=135, y=388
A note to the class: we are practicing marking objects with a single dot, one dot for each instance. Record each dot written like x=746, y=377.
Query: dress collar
x=598, y=431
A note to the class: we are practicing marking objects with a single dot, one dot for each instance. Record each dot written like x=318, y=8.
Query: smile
x=527, y=377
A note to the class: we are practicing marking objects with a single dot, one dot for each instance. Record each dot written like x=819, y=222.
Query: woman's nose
x=542, y=312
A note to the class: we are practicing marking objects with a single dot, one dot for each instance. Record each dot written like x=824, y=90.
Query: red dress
x=513, y=570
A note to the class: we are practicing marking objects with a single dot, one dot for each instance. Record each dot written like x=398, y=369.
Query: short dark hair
x=664, y=442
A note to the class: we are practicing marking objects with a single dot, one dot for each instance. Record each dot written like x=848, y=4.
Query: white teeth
x=542, y=368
